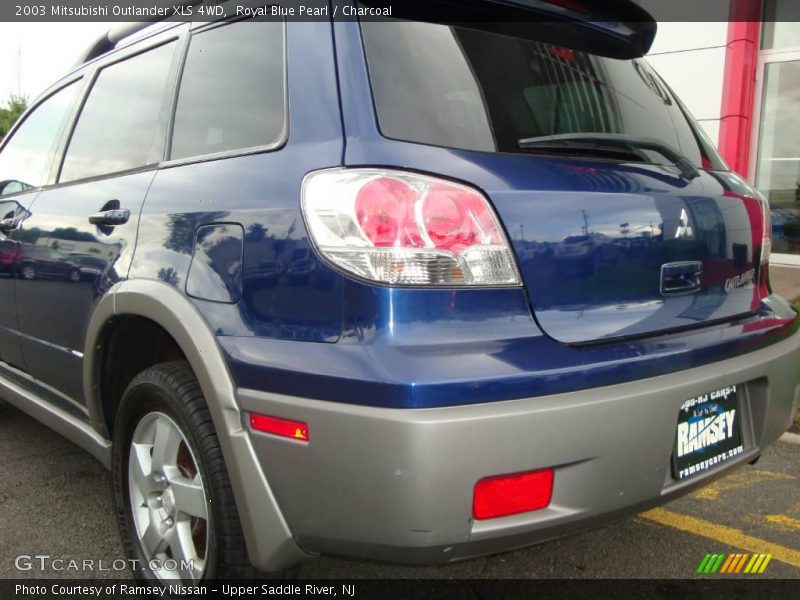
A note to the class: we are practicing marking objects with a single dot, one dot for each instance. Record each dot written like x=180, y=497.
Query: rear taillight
x=402, y=228
x=766, y=232
x=511, y=494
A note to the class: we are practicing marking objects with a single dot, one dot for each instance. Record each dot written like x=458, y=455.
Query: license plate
x=709, y=432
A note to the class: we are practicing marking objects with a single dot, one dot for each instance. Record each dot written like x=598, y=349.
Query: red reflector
x=295, y=430
x=512, y=494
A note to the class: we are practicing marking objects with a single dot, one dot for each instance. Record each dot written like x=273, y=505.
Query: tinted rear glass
x=461, y=88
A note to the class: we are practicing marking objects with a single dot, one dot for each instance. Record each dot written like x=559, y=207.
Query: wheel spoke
x=183, y=550
x=165, y=445
x=189, y=496
x=142, y=469
x=152, y=541
x=196, y=572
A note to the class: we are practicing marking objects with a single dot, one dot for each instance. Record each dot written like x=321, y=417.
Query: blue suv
x=392, y=289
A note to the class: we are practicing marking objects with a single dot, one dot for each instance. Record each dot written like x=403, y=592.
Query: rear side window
x=24, y=160
x=232, y=93
x=118, y=128
x=462, y=88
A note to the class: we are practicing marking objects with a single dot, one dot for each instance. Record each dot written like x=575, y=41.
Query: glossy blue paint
x=590, y=236
x=287, y=292
x=72, y=263
x=407, y=348
x=448, y=373
x=423, y=348
x=290, y=323
x=215, y=272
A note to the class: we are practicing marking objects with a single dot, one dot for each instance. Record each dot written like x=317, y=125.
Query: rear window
x=467, y=89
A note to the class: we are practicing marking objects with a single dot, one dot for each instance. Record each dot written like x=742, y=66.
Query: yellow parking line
x=738, y=480
x=723, y=534
x=783, y=522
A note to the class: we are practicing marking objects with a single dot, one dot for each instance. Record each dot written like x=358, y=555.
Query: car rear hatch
x=624, y=219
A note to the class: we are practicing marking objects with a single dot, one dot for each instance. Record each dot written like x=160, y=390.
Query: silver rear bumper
x=397, y=485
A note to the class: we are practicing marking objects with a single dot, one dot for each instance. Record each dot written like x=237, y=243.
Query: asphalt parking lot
x=56, y=500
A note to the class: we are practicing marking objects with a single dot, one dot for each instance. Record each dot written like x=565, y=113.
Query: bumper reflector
x=511, y=494
x=296, y=430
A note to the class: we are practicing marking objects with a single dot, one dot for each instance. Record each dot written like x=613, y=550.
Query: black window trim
x=259, y=149
x=178, y=35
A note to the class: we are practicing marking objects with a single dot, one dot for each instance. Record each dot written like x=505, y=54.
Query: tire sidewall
x=140, y=399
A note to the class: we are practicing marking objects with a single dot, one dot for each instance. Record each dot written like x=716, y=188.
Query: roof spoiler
x=613, y=28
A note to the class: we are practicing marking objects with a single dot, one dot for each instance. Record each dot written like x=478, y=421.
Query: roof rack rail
x=109, y=40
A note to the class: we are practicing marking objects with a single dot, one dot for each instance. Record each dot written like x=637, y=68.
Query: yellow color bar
x=765, y=563
x=753, y=563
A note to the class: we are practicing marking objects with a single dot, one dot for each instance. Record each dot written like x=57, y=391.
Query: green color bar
x=711, y=562
x=702, y=566
x=718, y=564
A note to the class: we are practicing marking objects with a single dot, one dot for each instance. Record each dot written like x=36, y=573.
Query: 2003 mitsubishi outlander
x=395, y=289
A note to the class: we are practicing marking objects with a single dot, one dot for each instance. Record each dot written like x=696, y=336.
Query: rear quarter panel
x=261, y=193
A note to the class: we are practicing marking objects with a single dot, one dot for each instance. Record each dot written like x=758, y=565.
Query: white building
x=741, y=81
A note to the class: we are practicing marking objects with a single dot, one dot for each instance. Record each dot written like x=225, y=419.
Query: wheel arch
x=270, y=543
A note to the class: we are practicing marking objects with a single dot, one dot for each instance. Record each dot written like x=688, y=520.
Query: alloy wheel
x=168, y=500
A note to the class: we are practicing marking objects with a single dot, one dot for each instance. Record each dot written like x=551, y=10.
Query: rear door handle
x=681, y=278
x=111, y=218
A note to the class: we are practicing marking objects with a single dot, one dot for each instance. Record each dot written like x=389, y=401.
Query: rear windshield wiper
x=600, y=142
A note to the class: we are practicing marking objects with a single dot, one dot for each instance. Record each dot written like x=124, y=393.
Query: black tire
x=172, y=389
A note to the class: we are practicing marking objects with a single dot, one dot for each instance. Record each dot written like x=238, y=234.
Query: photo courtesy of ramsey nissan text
x=419, y=299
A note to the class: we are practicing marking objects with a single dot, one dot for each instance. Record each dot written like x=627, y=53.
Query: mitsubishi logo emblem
x=683, y=230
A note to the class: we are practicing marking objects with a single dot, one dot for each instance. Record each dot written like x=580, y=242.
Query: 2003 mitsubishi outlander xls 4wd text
x=392, y=289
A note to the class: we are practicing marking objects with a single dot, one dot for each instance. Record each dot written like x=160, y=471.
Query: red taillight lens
x=404, y=228
x=296, y=430
x=456, y=219
x=511, y=494
x=385, y=211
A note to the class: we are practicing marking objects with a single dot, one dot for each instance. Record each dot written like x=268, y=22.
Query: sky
x=48, y=51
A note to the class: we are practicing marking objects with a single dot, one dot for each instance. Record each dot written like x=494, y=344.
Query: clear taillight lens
x=766, y=234
x=406, y=229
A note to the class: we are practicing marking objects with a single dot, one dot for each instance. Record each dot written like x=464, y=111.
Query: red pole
x=739, y=82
